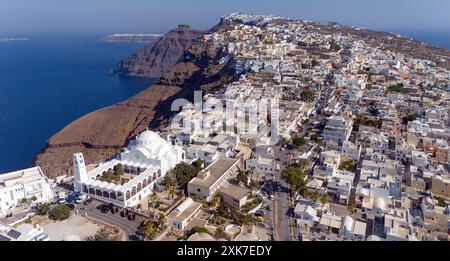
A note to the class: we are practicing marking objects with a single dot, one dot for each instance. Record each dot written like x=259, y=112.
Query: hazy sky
x=27, y=16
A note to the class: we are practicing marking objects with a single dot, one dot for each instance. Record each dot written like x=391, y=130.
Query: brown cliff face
x=101, y=134
x=156, y=58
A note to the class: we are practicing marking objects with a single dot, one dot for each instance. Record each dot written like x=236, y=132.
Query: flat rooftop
x=188, y=212
x=235, y=192
x=216, y=169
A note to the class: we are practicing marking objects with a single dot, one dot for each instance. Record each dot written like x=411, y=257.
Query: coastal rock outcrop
x=156, y=58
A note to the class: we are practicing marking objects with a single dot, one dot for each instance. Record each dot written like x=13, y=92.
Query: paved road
x=282, y=222
x=111, y=221
x=127, y=227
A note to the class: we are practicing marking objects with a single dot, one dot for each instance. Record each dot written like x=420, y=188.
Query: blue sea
x=51, y=80
x=437, y=38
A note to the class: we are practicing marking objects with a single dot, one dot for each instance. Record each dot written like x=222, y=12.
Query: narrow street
x=282, y=224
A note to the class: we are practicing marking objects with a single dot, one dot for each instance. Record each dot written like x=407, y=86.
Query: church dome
x=149, y=139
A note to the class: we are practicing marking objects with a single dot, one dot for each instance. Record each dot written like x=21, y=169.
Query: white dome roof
x=201, y=237
x=152, y=142
x=148, y=137
x=379, y=203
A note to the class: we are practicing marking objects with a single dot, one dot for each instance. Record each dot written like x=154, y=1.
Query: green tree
x=102, y=235
x=61, y=212
x=408, y=118
x=325, y=199
x=304, y=164
x=34, y=198
x=215, y=200
x=199, y=230
x=23, y=200
x=242, y=176
x=161, y=223
x=315, y=196
x=222, y=210
x=170, y=185
x=307, y=96
x=119, y=170
x=294, y=176
x=239, y=218
x=184, y=172
x=198, y=164
x=352, y=203
x=348, y=165
x=366, y=121
x=316, y=139
x=396, y=87
x=43, y=209
x=298, y=141
x=220, y=233
x=150, y=230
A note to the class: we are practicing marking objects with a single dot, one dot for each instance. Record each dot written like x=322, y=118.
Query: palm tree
x=325, y=199
x=162, y=221
x=171, y=192
x=153, y=198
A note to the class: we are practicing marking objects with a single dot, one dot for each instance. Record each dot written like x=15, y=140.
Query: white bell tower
x=79, y=171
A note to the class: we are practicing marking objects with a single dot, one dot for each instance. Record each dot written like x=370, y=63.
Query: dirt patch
x=73, y=229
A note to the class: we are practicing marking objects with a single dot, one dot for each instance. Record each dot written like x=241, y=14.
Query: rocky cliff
x=101, y=134
x=158, y=57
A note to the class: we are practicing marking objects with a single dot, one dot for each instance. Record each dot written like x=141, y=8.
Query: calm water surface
x=51, y=80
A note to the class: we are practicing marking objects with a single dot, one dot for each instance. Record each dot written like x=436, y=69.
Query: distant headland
x=145, y=38
x=4, y=40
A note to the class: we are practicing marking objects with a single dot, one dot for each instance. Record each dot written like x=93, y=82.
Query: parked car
x=262, y=224
x=279, y=188
x=88, y=201
x=104, y=208
x=62, y=198
x=82, y=198
x=260, y=212
x=269, y=207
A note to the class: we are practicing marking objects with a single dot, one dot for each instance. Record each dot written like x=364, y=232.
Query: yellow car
x=259, y=218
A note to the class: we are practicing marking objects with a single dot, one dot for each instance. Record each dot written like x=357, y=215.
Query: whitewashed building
x=338, y=129
x=145, y=162
x=180, y=217
x=262, y=165
x=30, y=184
x=351, y=150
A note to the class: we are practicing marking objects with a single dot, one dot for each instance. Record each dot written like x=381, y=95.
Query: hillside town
x=320, y=136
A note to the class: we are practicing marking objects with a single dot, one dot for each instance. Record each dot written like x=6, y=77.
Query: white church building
x=145, y=162
x=30, y=184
